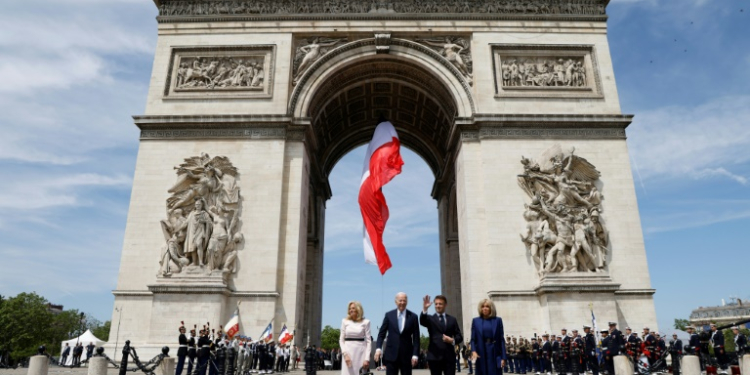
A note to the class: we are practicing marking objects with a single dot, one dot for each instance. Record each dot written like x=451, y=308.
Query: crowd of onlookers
x=76, y=351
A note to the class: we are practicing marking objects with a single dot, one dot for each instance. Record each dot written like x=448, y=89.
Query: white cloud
x=40, y=192
x=699, y=142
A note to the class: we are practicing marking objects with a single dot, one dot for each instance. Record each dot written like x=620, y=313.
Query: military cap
x=586, y=326
x=628, y=328
x=646, y=328
x=613, y=323
x=713, y=324
x=689, y=327
x=605, y=331
x=736, y=327
x=545, y=335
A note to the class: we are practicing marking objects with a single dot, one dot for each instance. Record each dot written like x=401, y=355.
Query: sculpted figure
x=171, y=260
x=198, y=228
x=452, y=52
x=312, y=52
x=218, y=240
x=564, y=214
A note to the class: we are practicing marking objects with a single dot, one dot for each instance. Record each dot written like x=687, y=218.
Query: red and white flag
x=233, y=326
x=284, y=336
x=382, y=163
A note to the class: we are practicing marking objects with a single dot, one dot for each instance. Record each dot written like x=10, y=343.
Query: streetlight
x=80, y=327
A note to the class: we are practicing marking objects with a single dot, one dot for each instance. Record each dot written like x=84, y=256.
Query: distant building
x=55, y=309
x=728, y=313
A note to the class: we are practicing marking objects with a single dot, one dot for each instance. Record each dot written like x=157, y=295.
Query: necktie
x=401, y=321
x=442, y=320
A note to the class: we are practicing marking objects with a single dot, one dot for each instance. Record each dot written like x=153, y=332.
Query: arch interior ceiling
x=346, y=109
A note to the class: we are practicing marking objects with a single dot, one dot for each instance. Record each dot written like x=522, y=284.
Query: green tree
x=24, y=323
x=729, y=339
x=424, y=342
x=681, y=324
x=102, y=332
x=329, y=338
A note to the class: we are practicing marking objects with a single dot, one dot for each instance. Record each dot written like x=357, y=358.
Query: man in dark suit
x=444, y=333
x=402, y=347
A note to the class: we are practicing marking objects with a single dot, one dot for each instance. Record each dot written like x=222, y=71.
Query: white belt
x=183, y=346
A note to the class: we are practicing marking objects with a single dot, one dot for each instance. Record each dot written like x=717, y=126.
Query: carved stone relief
x=328, y=7
x=237, y=71
x=203, y=219
x=565, y=231
x=546, y=71
x=455, y=49
x=310, y=50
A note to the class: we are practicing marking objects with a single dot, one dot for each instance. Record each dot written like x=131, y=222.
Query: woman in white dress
x=355, y=340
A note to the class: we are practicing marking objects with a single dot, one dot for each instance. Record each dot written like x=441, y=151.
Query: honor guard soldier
x=546, y=353
x=576, y=346
x=564, y=352
x=589, y=342
x=523, y=355
x=606, y=339
x=616, y=344
x=509, y=351
x=740, y=344
x=717, y=340
x=555, y=353
x=182, y=349
x=694, y=345
x=661, y=351
x=675, y=351
x=649, y=346
x=191, y=352
x=204, y=352
x=633, y=345
x=535, y=355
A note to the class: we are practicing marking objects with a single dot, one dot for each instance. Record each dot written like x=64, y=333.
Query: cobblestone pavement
x=114, y=371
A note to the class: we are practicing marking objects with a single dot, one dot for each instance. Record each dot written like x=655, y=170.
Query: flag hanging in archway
x=382, y=163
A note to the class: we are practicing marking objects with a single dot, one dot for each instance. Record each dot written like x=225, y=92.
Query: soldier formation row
x=214, y=351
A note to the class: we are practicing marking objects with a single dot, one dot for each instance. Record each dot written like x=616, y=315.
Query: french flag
x=382, y=163
x=284, y=335
x=267, y=335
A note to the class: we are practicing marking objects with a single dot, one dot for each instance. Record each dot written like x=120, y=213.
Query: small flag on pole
x=233, y=326
x=267, y=335
x=284, y=336
x=382, y=163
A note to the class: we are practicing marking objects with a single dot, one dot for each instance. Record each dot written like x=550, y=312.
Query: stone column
x=691, y=365
x=166, y=367
x=38, y=365
x=745, y=364
x=97, y=366
x=623, y=366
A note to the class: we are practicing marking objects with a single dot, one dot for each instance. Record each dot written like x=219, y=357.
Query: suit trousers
x=446, y=366
x=401, y=365
x=180, y=364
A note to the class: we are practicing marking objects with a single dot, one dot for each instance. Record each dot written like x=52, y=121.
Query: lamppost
x=80, y=328
x=119, y=319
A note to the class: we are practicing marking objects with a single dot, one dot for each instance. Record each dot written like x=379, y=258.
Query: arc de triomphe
x=512, y=104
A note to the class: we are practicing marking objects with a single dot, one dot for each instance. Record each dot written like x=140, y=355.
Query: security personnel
x=546, y=352
x=564, y=352
x=182, y=350
x=675, y=351
x=717, y=340
x=649, y=346
x=589, y=342
x=576, y=351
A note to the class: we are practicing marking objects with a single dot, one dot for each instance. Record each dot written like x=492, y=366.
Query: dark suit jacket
x=404, y=343
x=439, y=350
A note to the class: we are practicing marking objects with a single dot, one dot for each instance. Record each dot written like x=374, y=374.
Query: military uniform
x=522, y=353
x=589, y=342
x=649, y=346
x=633, y=346
x=675, y=351
x=576, y=351
x=615, y=346
x=509, y=351
x=546, y=354
x=717, y=340
x=556, y=355
x=606, y=339
x=192, y=353
x=204, y=353
x=181, y=351
x=535, y=348
x=740, y=344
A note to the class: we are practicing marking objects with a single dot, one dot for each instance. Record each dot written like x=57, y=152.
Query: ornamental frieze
x=177, y=8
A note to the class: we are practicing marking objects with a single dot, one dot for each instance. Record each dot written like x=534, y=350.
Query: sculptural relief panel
x=546, y=71
x=202, y=229
x=221, y=72
x=565, y=229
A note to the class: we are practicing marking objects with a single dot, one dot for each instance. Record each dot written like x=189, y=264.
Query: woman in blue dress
x=487, y=340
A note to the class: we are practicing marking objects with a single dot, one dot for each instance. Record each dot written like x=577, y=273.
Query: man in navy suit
x=444, y=334
x=402, y=347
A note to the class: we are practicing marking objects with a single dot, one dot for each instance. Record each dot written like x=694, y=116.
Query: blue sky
x=74, y=71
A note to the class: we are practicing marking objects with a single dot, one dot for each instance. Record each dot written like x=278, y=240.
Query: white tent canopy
x=86, y=338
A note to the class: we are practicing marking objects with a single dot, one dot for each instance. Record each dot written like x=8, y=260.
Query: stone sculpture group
x=543, y=72
x=564, y=227
x=220, y=73
x=202, y=229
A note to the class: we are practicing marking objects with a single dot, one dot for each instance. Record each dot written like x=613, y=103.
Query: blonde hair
x=358, y=307
x=493, y=310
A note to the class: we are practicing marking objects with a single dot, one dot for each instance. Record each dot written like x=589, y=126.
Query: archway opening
x=344, y=112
